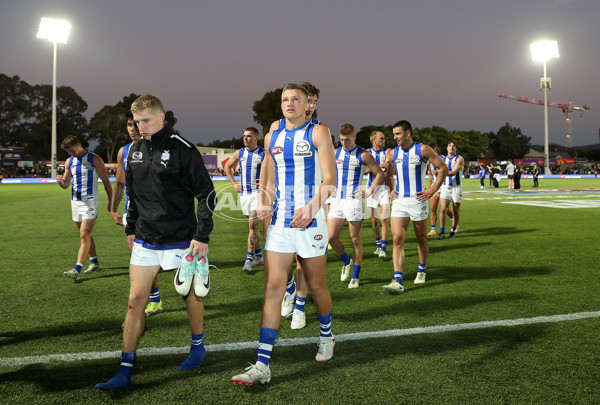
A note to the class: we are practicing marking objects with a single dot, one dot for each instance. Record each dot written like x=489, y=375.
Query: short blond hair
x=374, y=134
x=147, y=101
x=295, y=86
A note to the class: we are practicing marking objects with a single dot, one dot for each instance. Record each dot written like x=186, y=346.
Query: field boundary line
x=28, y=360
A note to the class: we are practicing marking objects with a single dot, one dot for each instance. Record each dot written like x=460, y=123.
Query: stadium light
x=542, y=51
x=55, y=31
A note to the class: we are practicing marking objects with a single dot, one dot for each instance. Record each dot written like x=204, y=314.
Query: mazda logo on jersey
x=302, y=146
x=276, y=150
x=414, y=160
x=87, y=165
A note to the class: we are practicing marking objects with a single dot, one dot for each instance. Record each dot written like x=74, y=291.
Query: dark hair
x=405, y=125
x=311, y=89
x=129, y=115
x=70, y=141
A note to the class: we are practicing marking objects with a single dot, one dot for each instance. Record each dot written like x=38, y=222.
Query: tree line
x=26, y=119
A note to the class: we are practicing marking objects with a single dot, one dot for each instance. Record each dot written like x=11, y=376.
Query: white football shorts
x=380, y=196
x=85, y=209
x=410, y=207
x=166, y=259
x=348, y=209
x=249, y=202
x=453, y=193
x=306, y=242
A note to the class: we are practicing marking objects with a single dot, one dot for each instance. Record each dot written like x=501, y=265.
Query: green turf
x=508, y=261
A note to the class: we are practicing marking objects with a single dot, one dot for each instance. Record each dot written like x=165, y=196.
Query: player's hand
x=130, y=239
x=118, y=218
x=263, y=211
x=424, y=195
x=369, y=192
x=237, y=187
x=359, y=193
x=302, y=217
x=198, y=248
x=59, y=179
x=393, y=194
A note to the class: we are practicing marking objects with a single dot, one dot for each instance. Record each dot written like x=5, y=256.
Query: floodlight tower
x=55, y=31
x=541, y=51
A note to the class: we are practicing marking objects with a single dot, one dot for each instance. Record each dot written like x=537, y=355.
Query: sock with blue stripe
x=94, y=260
x=258, y=253
x=345, y=258
x=398, y=276
x=452, y=230
x=249, y=256
x=384, y=245
x=422, y=267
x=154, y=295
x=433, y=228
x=378, y=242
x=123, y=378
x=442, y=229
x=197, y=353
x=355, y=271
x=325, y=325
x=300, y=303
x=78, y=267
x=265, y=344
x=291, y=286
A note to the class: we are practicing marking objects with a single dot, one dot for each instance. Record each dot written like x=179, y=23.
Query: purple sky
x=433, y=62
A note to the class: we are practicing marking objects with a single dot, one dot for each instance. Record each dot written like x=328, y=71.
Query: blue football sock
x=78, y=267
x=249, y=256
x=345, y=258
x=258, y=253
x=300, y=303
x=123, y=378
x=265, y=344
x=94, y=260
x=442, y=229
x=355, y=271
x=291, y=286
x=197, y=353
x=378, y=242
x=154, y=295
x=325, y=325
x=398, y=276
x=422, y=267
x=384, y=245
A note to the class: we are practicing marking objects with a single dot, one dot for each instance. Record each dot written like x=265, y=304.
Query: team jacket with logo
x=163, y=177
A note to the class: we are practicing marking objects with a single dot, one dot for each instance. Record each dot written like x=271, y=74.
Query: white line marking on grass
x=28, y=360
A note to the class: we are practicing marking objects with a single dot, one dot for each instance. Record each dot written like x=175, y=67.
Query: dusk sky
x=432, y=62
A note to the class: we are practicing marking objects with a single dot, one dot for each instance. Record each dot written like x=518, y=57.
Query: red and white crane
x=567, y=109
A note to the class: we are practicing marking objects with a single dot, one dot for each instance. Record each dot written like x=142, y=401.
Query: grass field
x=517, y=256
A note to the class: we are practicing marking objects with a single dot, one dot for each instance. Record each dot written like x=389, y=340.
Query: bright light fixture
x=541, y=51
x=54, y=30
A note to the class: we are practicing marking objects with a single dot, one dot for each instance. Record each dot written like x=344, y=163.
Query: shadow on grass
x=291, y=365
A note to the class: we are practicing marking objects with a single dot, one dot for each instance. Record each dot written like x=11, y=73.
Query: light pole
x=55, y=31
x=541, y=51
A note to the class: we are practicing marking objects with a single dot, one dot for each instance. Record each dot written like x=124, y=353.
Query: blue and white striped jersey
x=379, y=156
x=250, y=162
x=297, y=172
x=451, y=162
x=410, y=170
x=350, y=170
x=124, y=164
x=84, y=181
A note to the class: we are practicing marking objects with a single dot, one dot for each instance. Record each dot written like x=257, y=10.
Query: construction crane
x=567, y=109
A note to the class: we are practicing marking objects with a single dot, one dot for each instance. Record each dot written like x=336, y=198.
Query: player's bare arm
x=64, y=180
x=442, y=171
x=118, y=191
x=375, y=169
x=266, y=183
x=229, y=171
x=389, y=178
x=101, y=170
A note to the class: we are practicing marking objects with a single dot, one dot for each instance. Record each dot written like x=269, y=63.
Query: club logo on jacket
x=136, y=157
x=164, y=158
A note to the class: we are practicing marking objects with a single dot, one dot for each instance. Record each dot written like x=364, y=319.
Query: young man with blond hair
x=298, y=176
x=348, y=204
x=379, y=201
x=165, y=173
x=83, y=169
